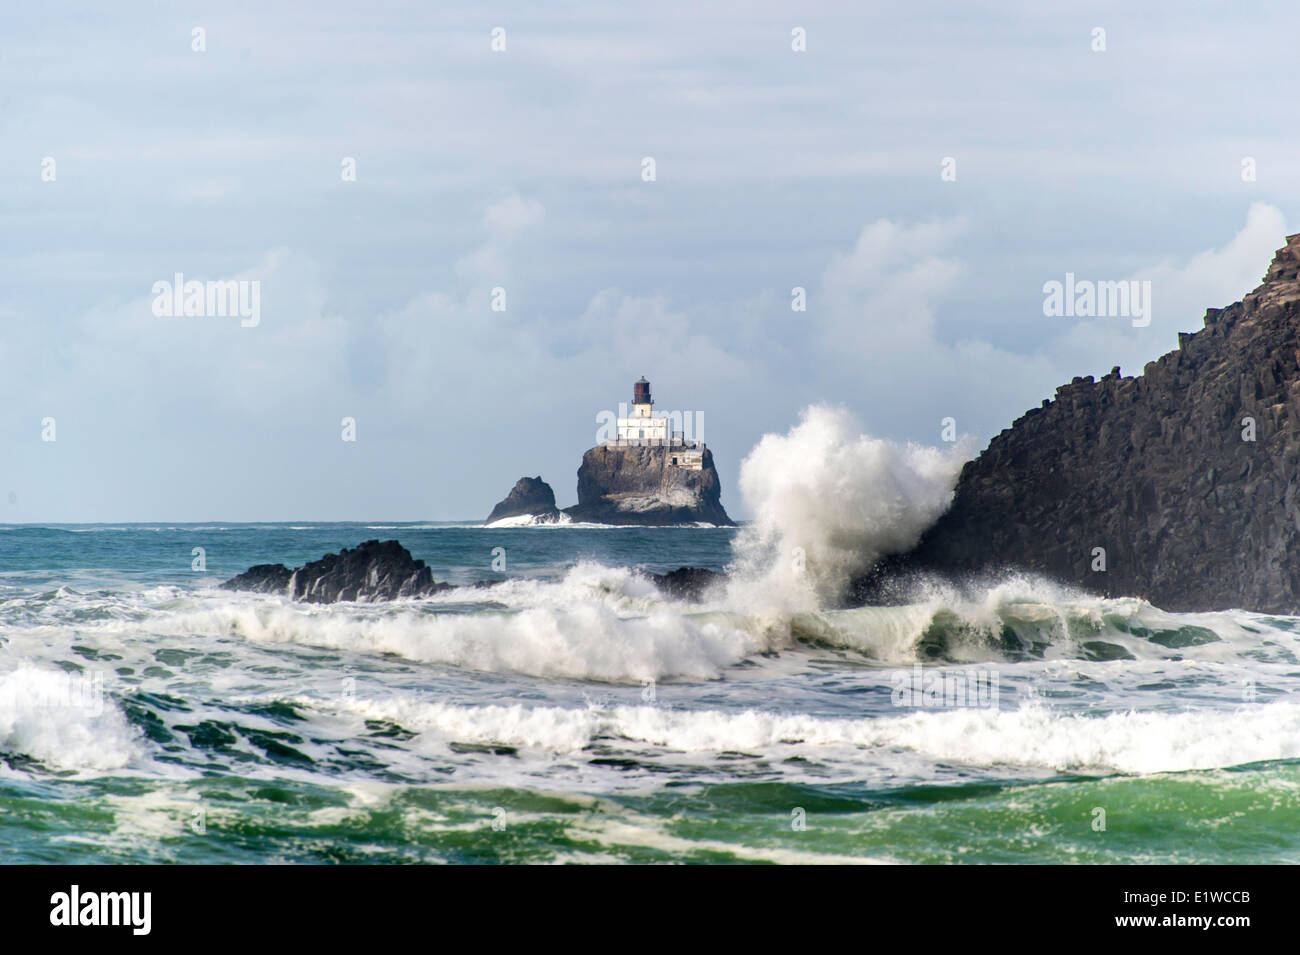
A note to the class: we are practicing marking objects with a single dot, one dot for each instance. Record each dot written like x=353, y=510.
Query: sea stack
x=531, y=500
x=649, y=472
x=1181, y=485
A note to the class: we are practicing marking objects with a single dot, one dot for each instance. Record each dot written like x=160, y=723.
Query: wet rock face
x=1181, y=486
x=688, y=583
x=262, y=579
x=372, y=571
x=530, y=497
x=640, y=485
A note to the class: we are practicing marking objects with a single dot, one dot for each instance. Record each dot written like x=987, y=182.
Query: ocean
x=572, y=713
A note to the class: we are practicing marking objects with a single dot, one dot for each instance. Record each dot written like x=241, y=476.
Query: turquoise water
x=572, y=713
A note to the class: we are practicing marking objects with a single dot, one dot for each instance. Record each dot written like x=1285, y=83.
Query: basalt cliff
x=1180, y=485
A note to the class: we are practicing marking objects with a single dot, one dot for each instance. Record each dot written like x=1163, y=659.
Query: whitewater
x=565, y=710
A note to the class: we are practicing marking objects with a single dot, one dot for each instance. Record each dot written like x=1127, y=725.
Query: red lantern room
x=641, y=392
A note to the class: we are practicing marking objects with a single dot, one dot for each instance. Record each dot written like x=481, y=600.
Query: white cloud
x=880, y=343
x=1180, y=295
x=881, y=296
x=512, y=215
x=504, y=221
x=297, y=353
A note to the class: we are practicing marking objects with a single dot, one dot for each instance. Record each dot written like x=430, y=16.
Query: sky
x=920, y=170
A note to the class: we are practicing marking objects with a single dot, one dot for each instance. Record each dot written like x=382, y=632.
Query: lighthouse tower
x=643, y=427
x=642, y=403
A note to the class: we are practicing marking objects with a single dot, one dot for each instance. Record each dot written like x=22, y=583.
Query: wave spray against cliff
x=828, y=501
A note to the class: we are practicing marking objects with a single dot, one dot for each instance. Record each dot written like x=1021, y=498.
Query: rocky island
x=529, y=498
x=648, y=473
x=1180, y=485
x=373, y=570
x=647, y=485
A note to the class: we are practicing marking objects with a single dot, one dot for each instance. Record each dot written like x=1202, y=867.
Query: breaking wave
x=828, y=501
x=63, y=721
x=1021, y=617
x=596, y=623
x=1030, y=736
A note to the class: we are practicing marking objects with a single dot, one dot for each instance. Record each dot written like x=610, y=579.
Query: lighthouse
x=643, y=427
x=646, y=469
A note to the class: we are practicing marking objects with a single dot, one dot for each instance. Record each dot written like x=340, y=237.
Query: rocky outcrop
x=641, y=485
x=262, y=579
x=372, y=571
x=1181, y=485
x=530, y=497
x=688, y=583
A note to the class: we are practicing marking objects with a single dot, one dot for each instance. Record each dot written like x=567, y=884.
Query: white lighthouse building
x=643, y=425
x=642, y=428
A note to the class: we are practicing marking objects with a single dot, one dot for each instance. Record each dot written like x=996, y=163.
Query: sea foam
x=62, y=721
x=1030, y=736
x=586, y=641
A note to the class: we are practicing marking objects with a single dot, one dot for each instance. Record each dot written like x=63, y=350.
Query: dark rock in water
x=891, y=580
x=529, y=497
x=687, y=583
x=1181, y=486
x=372, y=571
x=262, y=579
x=648, y=484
